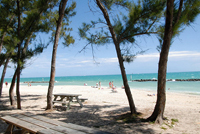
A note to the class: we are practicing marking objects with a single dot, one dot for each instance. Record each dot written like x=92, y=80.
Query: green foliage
x=140, y=18
x=69, y=11
x=34, y=18
x=174, y=120
x=152, y=122
x=189, y=12
x=65, y=29
x=3, y=58
x=129, y=57
x=170, y=124
x=6, y=10
x=164, y=128
x=98, y=37
x=68, y=40
x=109, y=3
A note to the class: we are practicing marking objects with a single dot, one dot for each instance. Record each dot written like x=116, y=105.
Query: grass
x=152, y=122
x=164, y=128
x=174, y=120
x=170, y=124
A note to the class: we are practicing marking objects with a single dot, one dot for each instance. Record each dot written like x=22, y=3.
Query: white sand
x=103, y=106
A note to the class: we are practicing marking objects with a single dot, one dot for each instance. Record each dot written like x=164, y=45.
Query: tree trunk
x=53, y=61
x=125, y=81
x=3, y=75
x=18, y=61
x=11, y=90
x=120, y=59
x=158, y=112
x=18, y=87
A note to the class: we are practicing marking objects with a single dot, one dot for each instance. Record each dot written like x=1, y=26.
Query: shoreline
x=139, y=89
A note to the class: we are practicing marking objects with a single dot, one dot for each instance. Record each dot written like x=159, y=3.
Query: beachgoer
x=99, y=84
x=96, y=85
x=110, y=84
x=150, y=94
x=114, y=89
x=6, y=83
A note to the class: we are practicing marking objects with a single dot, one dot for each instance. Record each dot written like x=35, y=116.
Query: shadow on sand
x=106, y=117
x=116, y=121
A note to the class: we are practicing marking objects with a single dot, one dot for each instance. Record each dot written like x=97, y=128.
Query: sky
x=183, y=56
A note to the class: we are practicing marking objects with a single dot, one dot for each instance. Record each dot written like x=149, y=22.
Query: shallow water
x=174, y=86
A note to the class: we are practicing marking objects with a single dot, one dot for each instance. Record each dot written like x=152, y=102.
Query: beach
x=103, y=109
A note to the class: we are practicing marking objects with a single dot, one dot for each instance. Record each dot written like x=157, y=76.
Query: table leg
x=79, y=101
x=9, y=129
x=70, y=99
x=55, y=97
x=62, y=97
x=24, y=132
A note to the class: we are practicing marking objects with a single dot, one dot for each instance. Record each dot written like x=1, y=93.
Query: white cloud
x=85, y=61
x=173, y=54
x=153, y=55
x=80, y=61
x=108, y=60
x=184, y=54
x=65, y=59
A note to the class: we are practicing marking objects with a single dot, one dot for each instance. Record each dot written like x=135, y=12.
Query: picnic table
x=63, y=98
x=37, y=124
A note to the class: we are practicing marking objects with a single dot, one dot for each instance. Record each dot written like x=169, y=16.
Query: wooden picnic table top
x=67, y=95
x=42, y=125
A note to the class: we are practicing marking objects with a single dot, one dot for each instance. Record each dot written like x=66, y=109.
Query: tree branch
x=106, y=16
x=127, y=37
x=84, y=47
x=179, y=12
x=151, y=24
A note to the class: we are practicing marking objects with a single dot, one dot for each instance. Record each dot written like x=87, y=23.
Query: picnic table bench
x=36, y=124
x=64, y=98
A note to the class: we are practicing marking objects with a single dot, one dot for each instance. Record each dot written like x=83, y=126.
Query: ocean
x=192, y=87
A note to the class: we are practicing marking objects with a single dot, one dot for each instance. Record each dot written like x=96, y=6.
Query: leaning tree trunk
x=3, y=75
x=125, y=81
x=11, y=90
x=123, y=72
x=158, y=112
x=18, y=88
x=53, y=61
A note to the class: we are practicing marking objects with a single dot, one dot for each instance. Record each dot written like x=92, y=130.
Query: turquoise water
x=175, y=86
